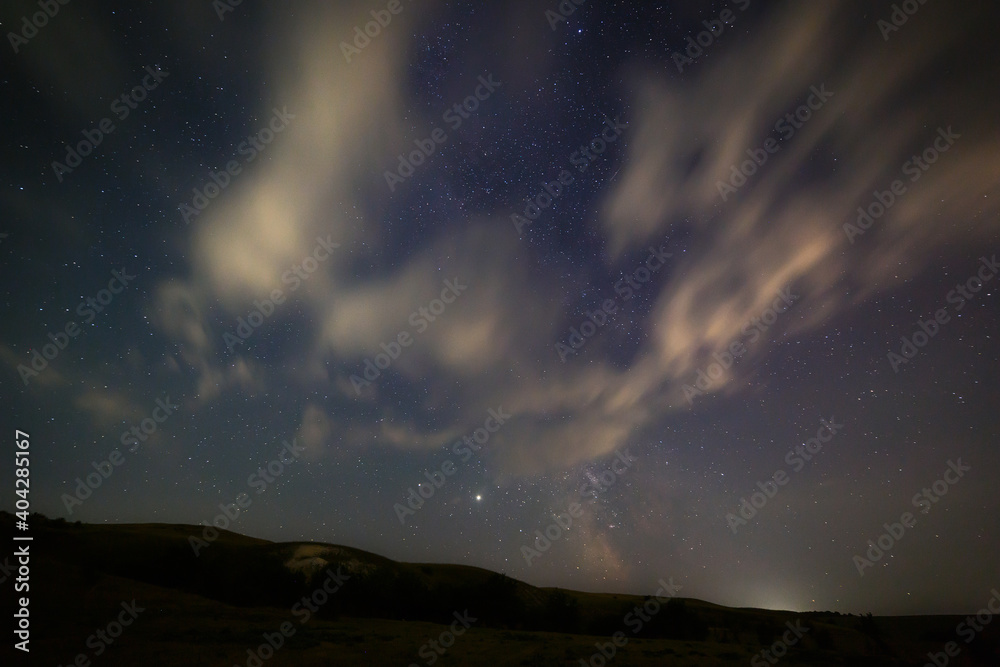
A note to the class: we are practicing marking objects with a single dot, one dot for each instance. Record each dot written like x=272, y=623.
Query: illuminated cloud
x=783, y=230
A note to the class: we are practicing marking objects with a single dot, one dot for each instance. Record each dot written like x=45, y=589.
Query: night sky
x=629, y=287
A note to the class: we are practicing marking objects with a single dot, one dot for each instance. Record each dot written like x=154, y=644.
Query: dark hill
x=210, y=608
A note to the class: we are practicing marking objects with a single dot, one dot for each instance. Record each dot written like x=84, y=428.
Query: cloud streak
x=494, y=346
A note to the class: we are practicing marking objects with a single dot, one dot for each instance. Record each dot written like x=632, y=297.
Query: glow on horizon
x=774, y=599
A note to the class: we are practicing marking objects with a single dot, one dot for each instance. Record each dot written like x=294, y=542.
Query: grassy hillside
x=210, y=609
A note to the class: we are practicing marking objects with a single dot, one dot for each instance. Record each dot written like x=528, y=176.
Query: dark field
x=215, y=608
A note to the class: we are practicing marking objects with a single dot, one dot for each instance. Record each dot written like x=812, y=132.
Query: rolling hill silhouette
x=216, y=608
